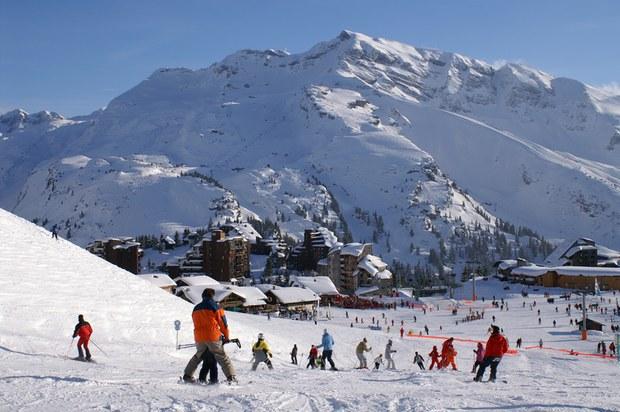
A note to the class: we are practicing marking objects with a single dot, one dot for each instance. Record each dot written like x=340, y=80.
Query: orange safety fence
x=511, y=352
x=572, y=352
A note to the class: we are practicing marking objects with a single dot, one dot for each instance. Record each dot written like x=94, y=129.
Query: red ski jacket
x=497, y=345
x=83, y=330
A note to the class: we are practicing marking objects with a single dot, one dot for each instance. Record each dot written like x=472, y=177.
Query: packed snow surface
x=45, y=283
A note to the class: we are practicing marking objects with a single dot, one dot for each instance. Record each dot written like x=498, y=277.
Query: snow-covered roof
x=242, y=229
x=375, y=267
x=158, y=279
x=290, y=295
x=200, y=280
x=535, y=271
x=169, y=240
x=573, y=250
x=506, y=264
x=252, y=296
x=366, y=290
x=126, y=245
x=352, y=249
x=324, y=237
x=321, y=285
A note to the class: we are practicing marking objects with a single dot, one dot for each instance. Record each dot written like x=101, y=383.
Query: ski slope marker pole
x=97, y=346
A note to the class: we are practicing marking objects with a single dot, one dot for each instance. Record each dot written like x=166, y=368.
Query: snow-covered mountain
x=385, y=142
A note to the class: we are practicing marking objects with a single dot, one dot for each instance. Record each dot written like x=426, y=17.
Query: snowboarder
x=434, y=354
x=327, y=343
x=496, y=347
x=83, y=330
x=479, y=357
x=209, y=365
x=294, y=355
x=419, y=360
x=448, y=354
x=209, y=327
x=359, y=351
x=314, y=353
x=388, y=355
x=261, y=352
x=378, y=361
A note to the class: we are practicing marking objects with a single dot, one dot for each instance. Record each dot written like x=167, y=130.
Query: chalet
x=320, y=285
x=315, y=247
x=242, y=298
x=168, y=243
x=569, y=277
x=584, y=252
x=160, y=280
x=123, y=252
x=591, y=325
x=291, y=298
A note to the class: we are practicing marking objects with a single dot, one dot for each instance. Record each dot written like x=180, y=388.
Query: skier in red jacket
x=434, y=355
x=83, y=330
x=497, y=346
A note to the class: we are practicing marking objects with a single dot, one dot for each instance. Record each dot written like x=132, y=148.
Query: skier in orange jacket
x=448, y=354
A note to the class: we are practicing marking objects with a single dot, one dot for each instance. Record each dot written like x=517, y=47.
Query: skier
x=327, y=343
x=519, y=342
x=612, y=348
x=448, y=354
x=294, y=355
x=359, y=351
x=378, y=361
x=209, y=365
x=419, y=360
x=83, y=330
x=540, y=343
x=479, y=357
x=209, y=327
x=603, y=348
x=388, y=355
x=261, y=352
x=402, y=332
x=496, y=347
x=434, y=358
x=54, y=233
x=426, y=329
x=314, y=353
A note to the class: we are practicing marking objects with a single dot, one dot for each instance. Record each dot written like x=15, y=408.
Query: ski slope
x=45, y=283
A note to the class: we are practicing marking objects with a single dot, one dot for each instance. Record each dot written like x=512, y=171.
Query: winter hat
x=81, y=318
x=324, y=331
x=364, y=340
x=260, y=336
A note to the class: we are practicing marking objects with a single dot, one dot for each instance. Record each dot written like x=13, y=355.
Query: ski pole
x=97, y=346
x=69, y=348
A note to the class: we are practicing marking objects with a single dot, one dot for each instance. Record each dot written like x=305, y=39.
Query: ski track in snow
x=45, y=283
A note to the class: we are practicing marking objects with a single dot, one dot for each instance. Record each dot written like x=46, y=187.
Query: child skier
x=209, y=365
x=419, y=360
x=83, y=330
x=448, y=354
x=479, y=357
x=378, y=361
x=434, y=358
x=314, y=353
x=261, y=352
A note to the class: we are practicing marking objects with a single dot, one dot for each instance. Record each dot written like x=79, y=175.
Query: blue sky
x=75, y=56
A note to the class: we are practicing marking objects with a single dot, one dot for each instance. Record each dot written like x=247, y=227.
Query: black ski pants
x=492, y=362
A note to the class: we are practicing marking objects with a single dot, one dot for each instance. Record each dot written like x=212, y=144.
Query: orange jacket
x=209, y=322
x=497, y=345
